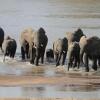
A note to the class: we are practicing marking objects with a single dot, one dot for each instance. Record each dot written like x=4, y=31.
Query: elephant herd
x=78, y=48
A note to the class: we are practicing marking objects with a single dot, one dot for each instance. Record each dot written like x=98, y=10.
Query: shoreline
x=13, y=80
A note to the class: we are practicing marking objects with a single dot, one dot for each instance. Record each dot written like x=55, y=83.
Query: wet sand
x=70, y=79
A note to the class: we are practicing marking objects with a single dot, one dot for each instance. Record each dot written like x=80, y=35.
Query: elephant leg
x=86, y=60
x=78, y=63
x=59, y=57
x=37, y=57
x=81, y=56
x=99, y=62
x=13, y=54
x=75, y=63
x=23, y=53
x=70, y=63
x=56, y=56
x=94, y=65
x=27, y=54
x=32, y=55
x=2, y=49
x=37, y=60
x=42, y=56
x=64, y=58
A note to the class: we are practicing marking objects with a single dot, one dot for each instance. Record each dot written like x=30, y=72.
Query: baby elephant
x=10, y=46
x=49, y=55
x=73, y=55
x=60, y=48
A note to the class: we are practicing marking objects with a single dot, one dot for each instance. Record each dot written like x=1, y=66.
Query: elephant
x=9, y=47
x=37, y=41
x=26, y=42
x=40, y=41
x=73, y=55
x=49, y=54
x=90, y=49
x=75, y=36
x=60, y=47
x=1, y=37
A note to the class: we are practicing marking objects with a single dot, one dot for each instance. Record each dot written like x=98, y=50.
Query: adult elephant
x=37, y=41
x=90, y=48
x=73, y=55
x=72, y=37
x=9, y=47
x=60, y=48
x=1, y=37
x=26, y=41
x=40, y=41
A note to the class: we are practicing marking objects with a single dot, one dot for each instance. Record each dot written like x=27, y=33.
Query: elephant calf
x=49, y=54
x=73, y=55
x=10, y=46
x=60, y=48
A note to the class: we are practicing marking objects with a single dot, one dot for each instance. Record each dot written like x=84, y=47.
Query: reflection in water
x=50, y=91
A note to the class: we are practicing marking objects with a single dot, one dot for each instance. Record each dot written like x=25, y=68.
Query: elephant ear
x=69, y=36
x=83, y=41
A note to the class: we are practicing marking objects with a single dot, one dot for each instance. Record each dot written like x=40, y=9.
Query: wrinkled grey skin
x=10, y=46
x=91, y=50
x=60, y=48
x=40, y=41
x=25, y=50
x=72, y=37
x=73, y=55
x=1, y=38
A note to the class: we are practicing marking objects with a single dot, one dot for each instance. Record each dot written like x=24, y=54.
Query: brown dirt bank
x=69, y=79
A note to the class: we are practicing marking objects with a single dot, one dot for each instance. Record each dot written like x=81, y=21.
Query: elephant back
x=83, y=41
x=75, y=36
x=58, y=45
x=27, y=35
x=9, y=43
x=40, y=38
x=93, y=46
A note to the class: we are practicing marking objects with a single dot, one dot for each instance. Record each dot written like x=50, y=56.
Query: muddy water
x=57, y=17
